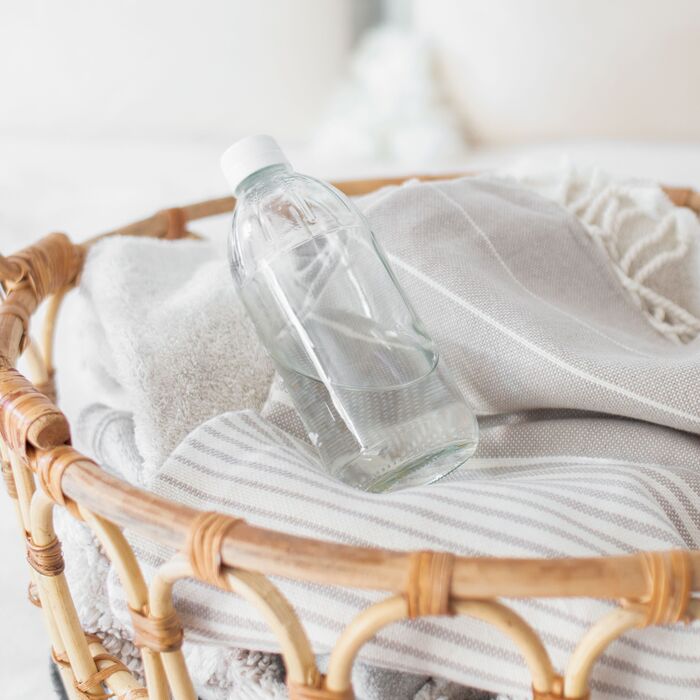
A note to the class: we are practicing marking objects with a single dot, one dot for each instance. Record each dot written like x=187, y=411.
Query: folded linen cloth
x=546, y=485
x=219, y=672
x=651, y=246
x=534, y=339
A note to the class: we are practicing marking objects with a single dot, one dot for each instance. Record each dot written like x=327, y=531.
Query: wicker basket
x=42, y=470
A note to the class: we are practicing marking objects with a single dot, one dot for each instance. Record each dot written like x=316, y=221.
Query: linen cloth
x=589, y=445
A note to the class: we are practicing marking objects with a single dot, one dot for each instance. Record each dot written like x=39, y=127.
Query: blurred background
x=113, y=109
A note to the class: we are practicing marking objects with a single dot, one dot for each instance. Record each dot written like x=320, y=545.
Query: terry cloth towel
x=589, y=443
x=166, y=338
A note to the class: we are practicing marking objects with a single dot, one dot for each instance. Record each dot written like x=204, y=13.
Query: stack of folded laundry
x=565, y=304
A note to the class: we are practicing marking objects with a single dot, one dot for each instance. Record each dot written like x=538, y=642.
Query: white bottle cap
x=249, y=155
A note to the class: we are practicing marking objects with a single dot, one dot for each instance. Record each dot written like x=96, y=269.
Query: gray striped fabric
x=526, y=494
x=589, y=417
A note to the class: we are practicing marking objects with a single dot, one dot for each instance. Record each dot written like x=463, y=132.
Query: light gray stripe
x=612, y=690
x=640, y=473
x=525, y=545
x=620, y=664
x=271, y=439
x=650, y=480
x=340, y=536
x=600, y=514
x=672, y=515
x=273, y=515
x=551, y=610
x=607, y=496
x=276, y=451
x=682, y=683
x=207, y=498
x=573, y=463
x=621, y=545
x=461, y=640
x=266, y=430
x=561, y=468
x=347, y=494
x=542, y=526
x=547, y=608
x=201, y=611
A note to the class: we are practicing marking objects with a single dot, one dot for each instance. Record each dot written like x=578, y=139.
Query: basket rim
x=36, y=273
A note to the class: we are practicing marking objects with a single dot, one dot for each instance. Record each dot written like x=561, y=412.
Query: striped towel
x=574, y=337
x=547, y=485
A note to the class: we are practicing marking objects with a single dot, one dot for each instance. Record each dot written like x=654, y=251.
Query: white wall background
x=533, y=70
x=161, y=69
x=516, y=70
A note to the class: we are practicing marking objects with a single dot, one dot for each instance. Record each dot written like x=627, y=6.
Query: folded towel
x=592, y=305
x=166, y=338
x=543, y=484
x=531, y=312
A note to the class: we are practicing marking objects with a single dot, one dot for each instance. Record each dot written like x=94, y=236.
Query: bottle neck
x=254, y=179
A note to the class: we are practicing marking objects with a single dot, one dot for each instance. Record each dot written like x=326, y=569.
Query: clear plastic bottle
x=363, y=373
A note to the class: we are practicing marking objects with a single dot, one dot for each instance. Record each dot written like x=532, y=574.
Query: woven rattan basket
x=42, y=470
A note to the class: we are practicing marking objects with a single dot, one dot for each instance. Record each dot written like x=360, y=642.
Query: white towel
x=532, y=313
x=165, y=337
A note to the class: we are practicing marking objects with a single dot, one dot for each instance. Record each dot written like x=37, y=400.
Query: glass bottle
x=374, y=395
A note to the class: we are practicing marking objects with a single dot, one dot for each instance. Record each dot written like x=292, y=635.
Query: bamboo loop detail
x=160, y=604
x=60, y=658
x=44, y=267
x=106, y=665
x=429, y=583
x=99, y=677
x=23, y=407
x=670, y=581
x=555, y=693
x=206, y=536
x=57, y=601
x=294, y=645
x=521, y=634
x=281, y=618
x=362, y=628
x=45, y=559
x=129, y=572
x=83, y=688
x=175, y=223
x=592, y=645
x=161, y=634
x=50, y=467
